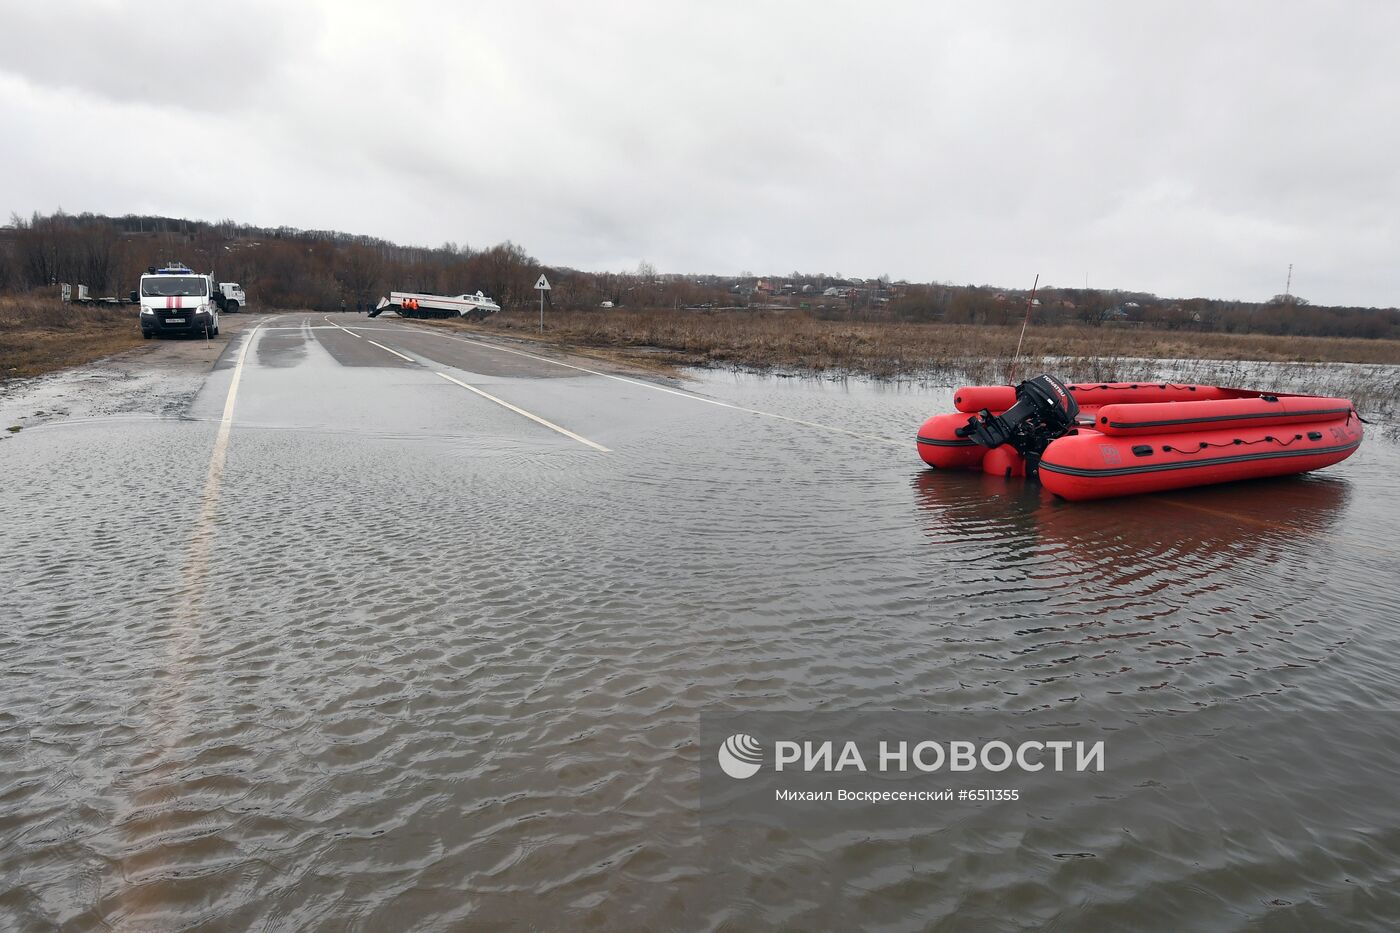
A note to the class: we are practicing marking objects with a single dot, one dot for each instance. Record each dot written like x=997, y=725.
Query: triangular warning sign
x=543, y=283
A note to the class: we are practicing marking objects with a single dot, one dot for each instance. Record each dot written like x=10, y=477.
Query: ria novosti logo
x=741, y=756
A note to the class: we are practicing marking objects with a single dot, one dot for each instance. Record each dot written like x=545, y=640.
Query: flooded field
x=419, y=664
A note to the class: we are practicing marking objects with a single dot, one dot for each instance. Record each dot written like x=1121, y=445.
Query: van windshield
x=167, y=286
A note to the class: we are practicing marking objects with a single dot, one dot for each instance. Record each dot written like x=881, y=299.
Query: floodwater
x=419, y=666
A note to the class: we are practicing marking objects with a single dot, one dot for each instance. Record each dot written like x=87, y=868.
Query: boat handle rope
x=1077, y=387
x=1237, y=442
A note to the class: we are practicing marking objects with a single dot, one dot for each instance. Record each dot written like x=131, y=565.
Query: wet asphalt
x=347, y=623
x=391, y=377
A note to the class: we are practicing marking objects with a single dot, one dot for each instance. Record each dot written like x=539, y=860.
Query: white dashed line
x=487, y=395
x=346, y=329
x=391, y=350
x=520, y=411
x=669, y=391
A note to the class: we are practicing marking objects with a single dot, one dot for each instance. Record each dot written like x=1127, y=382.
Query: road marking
x=174, y=709
x=216, y=463
x=1225, y=513
x=200, y=543
x=391, y=350
x=669, y=391
x=520, y=411
x=486, y=395
x=346, y=329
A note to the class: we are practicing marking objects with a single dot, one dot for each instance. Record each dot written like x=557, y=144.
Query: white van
x=177, y=300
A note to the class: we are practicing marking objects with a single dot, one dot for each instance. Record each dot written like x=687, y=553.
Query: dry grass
x=39, y=335
x=975, y=354
x=783, y=340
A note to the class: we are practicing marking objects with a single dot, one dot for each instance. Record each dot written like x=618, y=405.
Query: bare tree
x=360, y=272
x=506, y=270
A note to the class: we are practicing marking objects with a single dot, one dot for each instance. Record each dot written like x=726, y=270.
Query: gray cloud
x=1185, y=148
x=161, y=51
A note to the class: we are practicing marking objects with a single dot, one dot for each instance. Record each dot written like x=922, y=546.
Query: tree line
x=324, y=270
x=282, y=267
x=1282, y=315
x=286, y=267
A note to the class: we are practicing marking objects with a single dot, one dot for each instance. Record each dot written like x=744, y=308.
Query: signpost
x=542, y=286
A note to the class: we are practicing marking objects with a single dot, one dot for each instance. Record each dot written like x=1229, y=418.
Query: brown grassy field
x=795, y=340
x=40, y=335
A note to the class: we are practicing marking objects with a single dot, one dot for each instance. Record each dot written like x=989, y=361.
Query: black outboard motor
x=1044, y=410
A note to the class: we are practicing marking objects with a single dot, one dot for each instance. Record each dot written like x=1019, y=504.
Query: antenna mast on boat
x=1011, y=375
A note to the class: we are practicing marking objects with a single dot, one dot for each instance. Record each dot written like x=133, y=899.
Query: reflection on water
x=457, y=681
x=1215, y=522
x=1208, y=594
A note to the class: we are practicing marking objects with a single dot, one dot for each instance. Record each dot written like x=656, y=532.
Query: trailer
x=79, y=295
x=412, y=304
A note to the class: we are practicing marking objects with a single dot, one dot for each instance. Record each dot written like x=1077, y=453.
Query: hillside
x=322, y=270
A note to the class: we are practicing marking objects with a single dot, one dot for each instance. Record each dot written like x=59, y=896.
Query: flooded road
x=418, y=632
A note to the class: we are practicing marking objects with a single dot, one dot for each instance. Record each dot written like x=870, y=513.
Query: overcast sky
x=1183, y=148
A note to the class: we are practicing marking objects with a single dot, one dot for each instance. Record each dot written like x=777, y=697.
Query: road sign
x=543, y=286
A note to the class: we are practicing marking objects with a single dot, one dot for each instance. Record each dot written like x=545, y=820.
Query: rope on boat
x=1135, y=385
x=1237, y=442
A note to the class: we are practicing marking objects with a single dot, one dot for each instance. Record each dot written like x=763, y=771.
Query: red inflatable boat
x=1120, y=439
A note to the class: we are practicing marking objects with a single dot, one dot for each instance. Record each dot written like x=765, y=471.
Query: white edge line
x=650, y=385
x=226, y=422
x=220, y=452
x=520, y=411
